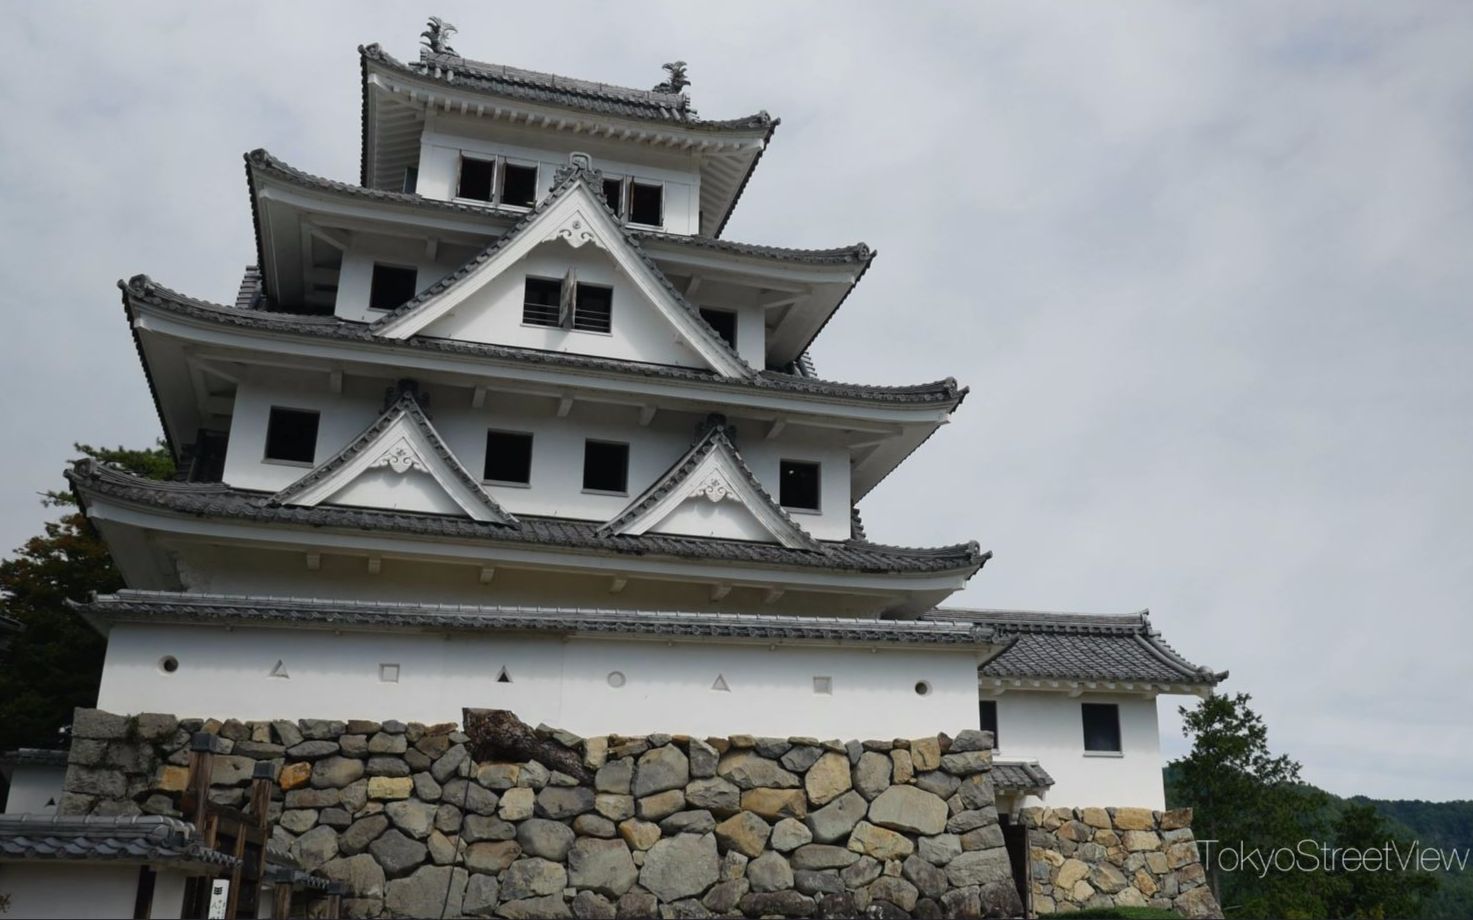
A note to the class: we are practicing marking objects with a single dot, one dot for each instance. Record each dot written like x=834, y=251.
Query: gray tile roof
x=716, y=438
x=1020, y=776
x=1080, y=646
x=39, y=756
x=147, y=838
x=142, y=289
x=406, y=406
x=154, y=606
x=217, y=500
x=568, y=92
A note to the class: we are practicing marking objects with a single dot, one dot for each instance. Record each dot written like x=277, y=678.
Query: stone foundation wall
x=661, y=825
x=1116, y=857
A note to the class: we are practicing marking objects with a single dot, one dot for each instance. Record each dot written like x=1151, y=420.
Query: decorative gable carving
x=573, y=213
x=401, y=445
x=711, y=492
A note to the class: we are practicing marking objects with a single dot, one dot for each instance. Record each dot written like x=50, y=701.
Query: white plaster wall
x=32, y=786
x=71, y=890
x=556, y=488
x=493, y=313
x=1048, y=727
x=564, y=683
x=446, y=137
x=355, y=279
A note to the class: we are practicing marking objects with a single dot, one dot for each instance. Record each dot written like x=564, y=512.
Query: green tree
x=55, y=662
x=1242, y=794
x=1374, y=893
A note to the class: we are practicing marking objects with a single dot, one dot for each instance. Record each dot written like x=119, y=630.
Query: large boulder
x=432, y=891
x=681, y=867
x=750, y=770
x=661, y=769
x=906, y=808
x=534, y=877
x=603, y=866
x=827, y=779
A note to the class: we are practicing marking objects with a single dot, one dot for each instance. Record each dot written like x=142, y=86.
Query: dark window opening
x=798, y=485
x=987, y=717
x=291, y=434
x=475, y=178
x=508, y=456
x=206, y=456
x=518, y=184
x=646, y=204
x=724, y=322
x=1101, y=727
x=593, y=308
x=605, y=466
x=392, y=285
x=614, y=195
x=542, y=302
x=411, y=179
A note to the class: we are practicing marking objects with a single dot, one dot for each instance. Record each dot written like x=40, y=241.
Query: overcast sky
x=1205, y=268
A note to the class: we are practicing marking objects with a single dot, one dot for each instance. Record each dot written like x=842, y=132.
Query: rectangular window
x=1101, y=727
x=605, y=467
x=411, y=179
x=392, y=285
x=518, y=185
x=987, y=718
x=724, y=322
x=798, y=485
x=475, y=178
x=508, y=457
x=541, y=302
x=593, y=308
x=291, y=434
x=614, y=195
x=646, y=204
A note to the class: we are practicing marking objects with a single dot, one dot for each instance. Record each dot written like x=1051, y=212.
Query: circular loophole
x=923, y=688
x=616, y=679
x=168, y=664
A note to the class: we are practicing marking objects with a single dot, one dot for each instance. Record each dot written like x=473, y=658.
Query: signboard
x=219, y=895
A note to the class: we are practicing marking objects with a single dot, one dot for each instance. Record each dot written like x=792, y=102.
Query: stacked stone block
x=668, y=826
x=1116, y=857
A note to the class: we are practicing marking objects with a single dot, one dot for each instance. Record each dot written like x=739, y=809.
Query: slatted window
x=518, y=184
x=605, y=467
x=593, y=308
x=1101, y=727
x=509, y=457
x=392, y=285
x=542, y=302
x=476, y=178
x=724, y=322
x=291, y=435
x=987, y=718
x=798, y=485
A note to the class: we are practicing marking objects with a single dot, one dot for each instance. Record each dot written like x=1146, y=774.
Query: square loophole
x=388, y=673
x=824, y=685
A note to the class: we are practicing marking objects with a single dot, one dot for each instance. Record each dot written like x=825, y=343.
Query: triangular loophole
x=280, y=669
x=503, y=677
x=720, y=683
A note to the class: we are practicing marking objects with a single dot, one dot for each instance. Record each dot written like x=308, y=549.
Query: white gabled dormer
x=568, y=278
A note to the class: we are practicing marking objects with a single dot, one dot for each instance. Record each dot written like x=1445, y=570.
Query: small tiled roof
x=1080, y=646
x=716, y=438
x=406, y=406
x=218, y=500
x=143, y=289
x=139, y=839
x=156, y=606
x=38, y=756
x=1020, y=776
x=568, y=92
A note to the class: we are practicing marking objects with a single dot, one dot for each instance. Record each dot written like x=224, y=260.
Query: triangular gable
x=576, y=213
x=402, y=442
x=712, y=473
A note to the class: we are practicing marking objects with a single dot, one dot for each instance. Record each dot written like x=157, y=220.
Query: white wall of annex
x=556, y=487
x=67, y=889
x=1048, y=727
x=32, y=786
x=446, y=138
x=668, y=687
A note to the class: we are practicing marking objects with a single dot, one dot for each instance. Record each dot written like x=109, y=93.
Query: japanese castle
x=508, y=423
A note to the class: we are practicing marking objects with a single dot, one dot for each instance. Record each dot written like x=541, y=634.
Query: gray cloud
x=1205, y=268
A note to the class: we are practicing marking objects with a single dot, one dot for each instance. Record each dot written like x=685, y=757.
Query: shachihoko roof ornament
x=437, y=36
x=676, y=81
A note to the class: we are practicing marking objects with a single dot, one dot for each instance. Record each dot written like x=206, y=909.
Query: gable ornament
x=401, y=458
x=716, y=490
